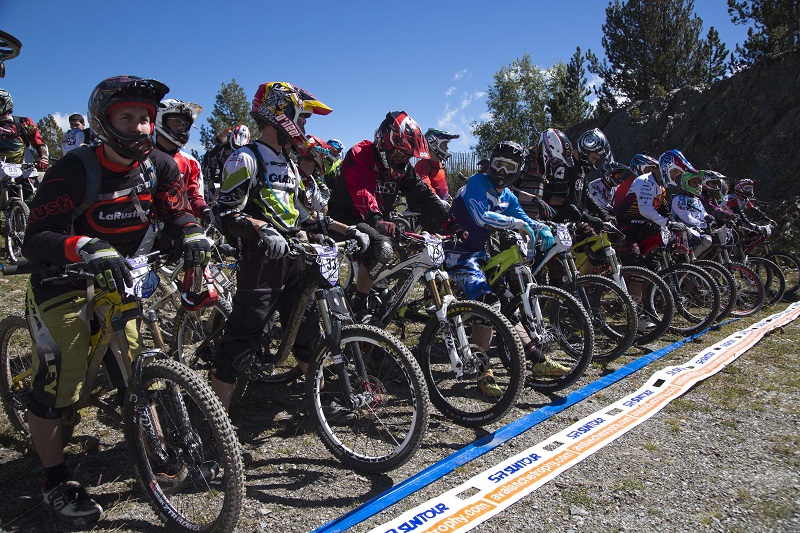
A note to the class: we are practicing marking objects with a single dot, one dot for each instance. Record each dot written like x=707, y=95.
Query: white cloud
x=457, y=119
x=595, y=81
x=450, y=91
x=62, y=120
x=460, y=74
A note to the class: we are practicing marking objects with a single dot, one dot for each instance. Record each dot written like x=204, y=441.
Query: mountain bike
x=16, y=183
x=749, y=240
x=462, y=342
x=382, y=412
x=556, y=322
x=614, y=316
x=655, y=306
x=180, y=440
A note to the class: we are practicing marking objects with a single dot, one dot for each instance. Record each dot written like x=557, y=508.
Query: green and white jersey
x=275, y=193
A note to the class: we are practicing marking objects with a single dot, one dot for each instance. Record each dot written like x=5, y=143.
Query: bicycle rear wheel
x=16, y=350
x=656, y=306
x=387, y=426
x=696, y=298
x=613, y=315
x=565, y=335
x=790, y=266
x=500, y=359
x=200, y=486
x=771, y=277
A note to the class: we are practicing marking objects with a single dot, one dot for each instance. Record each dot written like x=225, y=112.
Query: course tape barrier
x=490, y=492
x=491, y=441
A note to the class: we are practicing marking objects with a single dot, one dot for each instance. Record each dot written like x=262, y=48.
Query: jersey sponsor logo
x=282, y=178
x=386, y=187
x=119, y=215
x=62, y=204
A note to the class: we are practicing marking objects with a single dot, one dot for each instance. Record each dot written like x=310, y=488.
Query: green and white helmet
x=6, y=103
x=437, y=140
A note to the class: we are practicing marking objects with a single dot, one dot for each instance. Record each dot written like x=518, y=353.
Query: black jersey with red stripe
x=53, y=230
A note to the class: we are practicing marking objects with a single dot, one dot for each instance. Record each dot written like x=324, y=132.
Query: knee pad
x=44, y=411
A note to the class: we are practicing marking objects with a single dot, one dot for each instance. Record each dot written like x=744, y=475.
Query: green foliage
x=517, y=103
x=653, y=47
x=568, y=104
x=51, y=135
x=776, y=28
x=231, y=107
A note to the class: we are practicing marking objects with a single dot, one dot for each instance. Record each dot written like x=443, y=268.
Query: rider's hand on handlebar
x=275, y=246
x=386, y=228
x=359, y=236
x=111, y=270
x=546, y=236
x=206, y=217
x=43, y=163
x=676, y=226
x=196, y=248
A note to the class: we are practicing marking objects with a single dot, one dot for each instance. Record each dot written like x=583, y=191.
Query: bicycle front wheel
x=197, y=334
x=184, y=450
x=562, y=330
x=771, y=277
x=790, y=266
x=16, y=219
x=491, y=358
x=386, y=426
x=750, y=293
x=654, y=302
x=729, y=296
x=613, y=315
x=696, y=296
x=15, y=361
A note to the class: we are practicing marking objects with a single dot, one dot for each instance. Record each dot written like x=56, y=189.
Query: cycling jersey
x=569, y=184
x=716, y=208
x=189, y=169
x=364, y=192
x=74, y=138
x=743, y=206
x=12, y=140
x=639, y=199
x=433, y=175
x=600, y=197
x=53, y=230
x=689, y=210
x=272, y=195
x=479, y=209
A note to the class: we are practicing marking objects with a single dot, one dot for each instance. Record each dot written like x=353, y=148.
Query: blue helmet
x=336, y=144
x=670, y=160
x=641, y=162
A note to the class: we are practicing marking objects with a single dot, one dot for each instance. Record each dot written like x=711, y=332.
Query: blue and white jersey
x=480, y=209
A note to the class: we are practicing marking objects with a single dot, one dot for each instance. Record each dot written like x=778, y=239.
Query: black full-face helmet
x=506, y=163
x=125, y=90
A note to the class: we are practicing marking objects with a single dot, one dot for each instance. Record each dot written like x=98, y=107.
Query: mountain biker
x=483, y=205
x=565, y=168
x=639, y=203
x=77, y=134
x=333, y=161
x=174, y=119
x=740, y=203
x=228, y=142
x=688, y=209
x=260, y=200
x=713, y=196
x=312, y=165
x=374, y=174
x=601, y=190
x=116, y=224
x=431, y=171
x=19, y=133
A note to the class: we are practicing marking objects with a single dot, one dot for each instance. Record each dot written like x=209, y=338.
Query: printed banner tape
x=490, y=492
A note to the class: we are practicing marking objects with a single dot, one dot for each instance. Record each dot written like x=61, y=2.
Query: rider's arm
x=194, y=184
x=647, y=191
x=170, y=199
x=47, y=235
x=422, y=198
x=514, y=209
x=477, y=193
x=682, y=209
x=360, y=179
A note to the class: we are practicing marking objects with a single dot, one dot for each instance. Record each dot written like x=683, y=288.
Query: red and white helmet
x=745, y=187
x=555, y=150
x=398, y=139
x=284, y=105
x=238, y=136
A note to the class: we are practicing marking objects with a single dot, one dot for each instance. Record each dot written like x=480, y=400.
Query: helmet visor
x=509, y=166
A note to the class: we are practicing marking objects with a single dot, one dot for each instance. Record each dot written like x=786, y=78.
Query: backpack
x=94, y=175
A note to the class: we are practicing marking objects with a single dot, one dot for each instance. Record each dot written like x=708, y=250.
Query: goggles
x=509, y=166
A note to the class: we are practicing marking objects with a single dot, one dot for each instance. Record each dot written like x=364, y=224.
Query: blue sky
x=434, y=60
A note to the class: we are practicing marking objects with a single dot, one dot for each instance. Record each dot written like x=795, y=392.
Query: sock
x=534, y=354
x=55, y=475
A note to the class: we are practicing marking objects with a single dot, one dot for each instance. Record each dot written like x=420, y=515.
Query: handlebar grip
x=25, y=267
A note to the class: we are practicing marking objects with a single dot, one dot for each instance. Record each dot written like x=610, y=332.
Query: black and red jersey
x=53, y=229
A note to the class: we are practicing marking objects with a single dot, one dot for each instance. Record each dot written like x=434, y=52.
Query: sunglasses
x=178, y=124
x=509, y=166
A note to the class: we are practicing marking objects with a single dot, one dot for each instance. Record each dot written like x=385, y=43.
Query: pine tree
x=653, y=47
x=713, y=55
x=568, y=104
x=776, y=28
x=52, y=135
x=231, y=107
x=517, y=103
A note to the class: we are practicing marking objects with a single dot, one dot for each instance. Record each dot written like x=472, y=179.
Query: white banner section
x=489, y=493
